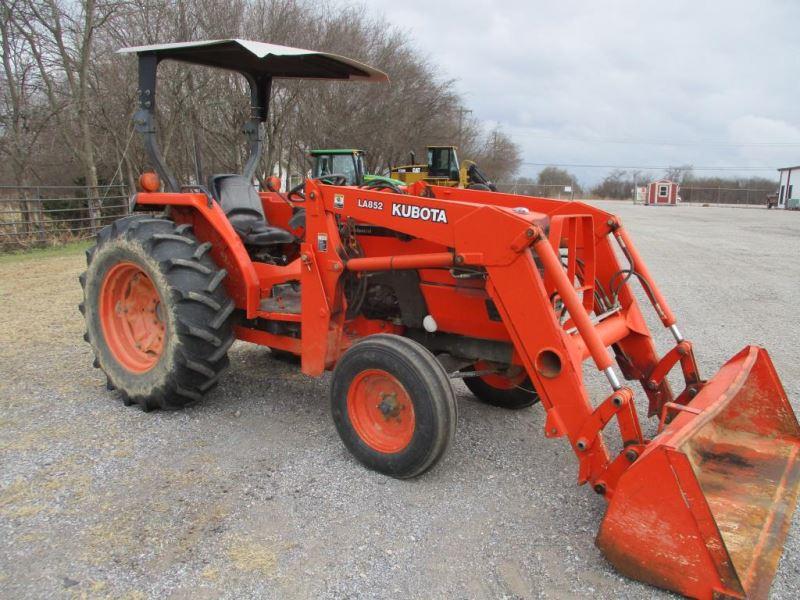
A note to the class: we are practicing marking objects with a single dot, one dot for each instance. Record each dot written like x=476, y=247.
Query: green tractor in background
x=349, y=163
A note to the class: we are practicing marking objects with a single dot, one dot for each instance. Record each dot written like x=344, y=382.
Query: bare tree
x=681, y=174
x=551, y=176
x=68, y=47
x=498, y=155
x=23, y=118
x=60, y=36
x=617, y=184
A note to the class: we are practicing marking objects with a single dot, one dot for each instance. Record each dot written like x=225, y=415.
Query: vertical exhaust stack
x=706, y=509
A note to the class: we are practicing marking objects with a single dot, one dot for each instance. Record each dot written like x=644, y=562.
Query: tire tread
x=203, y=310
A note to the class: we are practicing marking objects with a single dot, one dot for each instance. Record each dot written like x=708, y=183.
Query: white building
x=788, y=192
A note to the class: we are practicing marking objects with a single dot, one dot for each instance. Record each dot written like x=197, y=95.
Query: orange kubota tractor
x=400, y=290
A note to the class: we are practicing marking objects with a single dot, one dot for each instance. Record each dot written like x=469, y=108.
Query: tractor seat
x=242, y=205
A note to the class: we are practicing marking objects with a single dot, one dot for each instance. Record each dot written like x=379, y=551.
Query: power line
x=710, y=144
x=649, y=168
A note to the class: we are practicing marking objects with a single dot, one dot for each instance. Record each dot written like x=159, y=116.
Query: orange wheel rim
x=501, y=382
x=131, y=316
x=381, y=411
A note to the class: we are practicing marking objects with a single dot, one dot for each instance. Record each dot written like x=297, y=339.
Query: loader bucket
x=706, y=508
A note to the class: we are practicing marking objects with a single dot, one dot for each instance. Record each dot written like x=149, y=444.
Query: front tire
x=157, y=316
x=393, y=405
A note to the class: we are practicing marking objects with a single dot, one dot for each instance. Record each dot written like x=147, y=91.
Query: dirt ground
x=251, y=494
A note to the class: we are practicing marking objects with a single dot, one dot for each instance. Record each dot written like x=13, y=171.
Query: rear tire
x=157, y=316
x=393, y=405
x=512, y=393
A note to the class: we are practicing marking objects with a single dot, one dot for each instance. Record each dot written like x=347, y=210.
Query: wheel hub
x=381, y=411
x=132, y=317
x=389, y=405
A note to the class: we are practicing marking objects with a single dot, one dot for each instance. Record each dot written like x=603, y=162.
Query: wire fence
x=36, y=216
x=722, y=195
x=559, y=192
x=687, y=193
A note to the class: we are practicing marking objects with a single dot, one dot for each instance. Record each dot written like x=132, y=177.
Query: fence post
x=719, y=195
x=126, y=192
x=94, y=207
x=25, y=205
x=40, y=213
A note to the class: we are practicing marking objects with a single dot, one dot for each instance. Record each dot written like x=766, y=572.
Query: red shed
x=662, y=191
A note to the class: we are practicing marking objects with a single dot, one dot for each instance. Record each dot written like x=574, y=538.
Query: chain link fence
x=722, y=195
x=687, y=193
x=36, y=216
x=559, y=192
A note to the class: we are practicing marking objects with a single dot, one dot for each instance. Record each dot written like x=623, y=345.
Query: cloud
x=572, y=80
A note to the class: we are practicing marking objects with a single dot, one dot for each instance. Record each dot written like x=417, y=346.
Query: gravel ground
x=251, y=494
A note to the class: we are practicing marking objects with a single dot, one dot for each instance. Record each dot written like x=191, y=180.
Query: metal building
x=788, y=193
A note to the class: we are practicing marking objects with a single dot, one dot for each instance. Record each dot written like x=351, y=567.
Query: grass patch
x=248, y=555
x=49, y=252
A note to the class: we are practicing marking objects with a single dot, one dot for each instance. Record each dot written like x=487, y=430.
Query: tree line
x=619, y=184
x=67, y=96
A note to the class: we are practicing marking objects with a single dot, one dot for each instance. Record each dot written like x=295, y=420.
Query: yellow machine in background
x=444, y=169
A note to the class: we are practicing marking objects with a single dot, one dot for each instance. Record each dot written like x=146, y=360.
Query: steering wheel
x=297, y=193
x=333, y=179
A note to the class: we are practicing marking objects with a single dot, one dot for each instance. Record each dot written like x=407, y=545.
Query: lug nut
x=631, y=455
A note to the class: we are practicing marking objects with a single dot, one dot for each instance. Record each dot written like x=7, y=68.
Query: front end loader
x=400, y=291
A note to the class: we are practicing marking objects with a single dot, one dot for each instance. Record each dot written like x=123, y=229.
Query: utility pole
x=461, y=112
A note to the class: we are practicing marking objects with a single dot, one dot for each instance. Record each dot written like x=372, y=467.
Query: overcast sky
x=614, y=82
